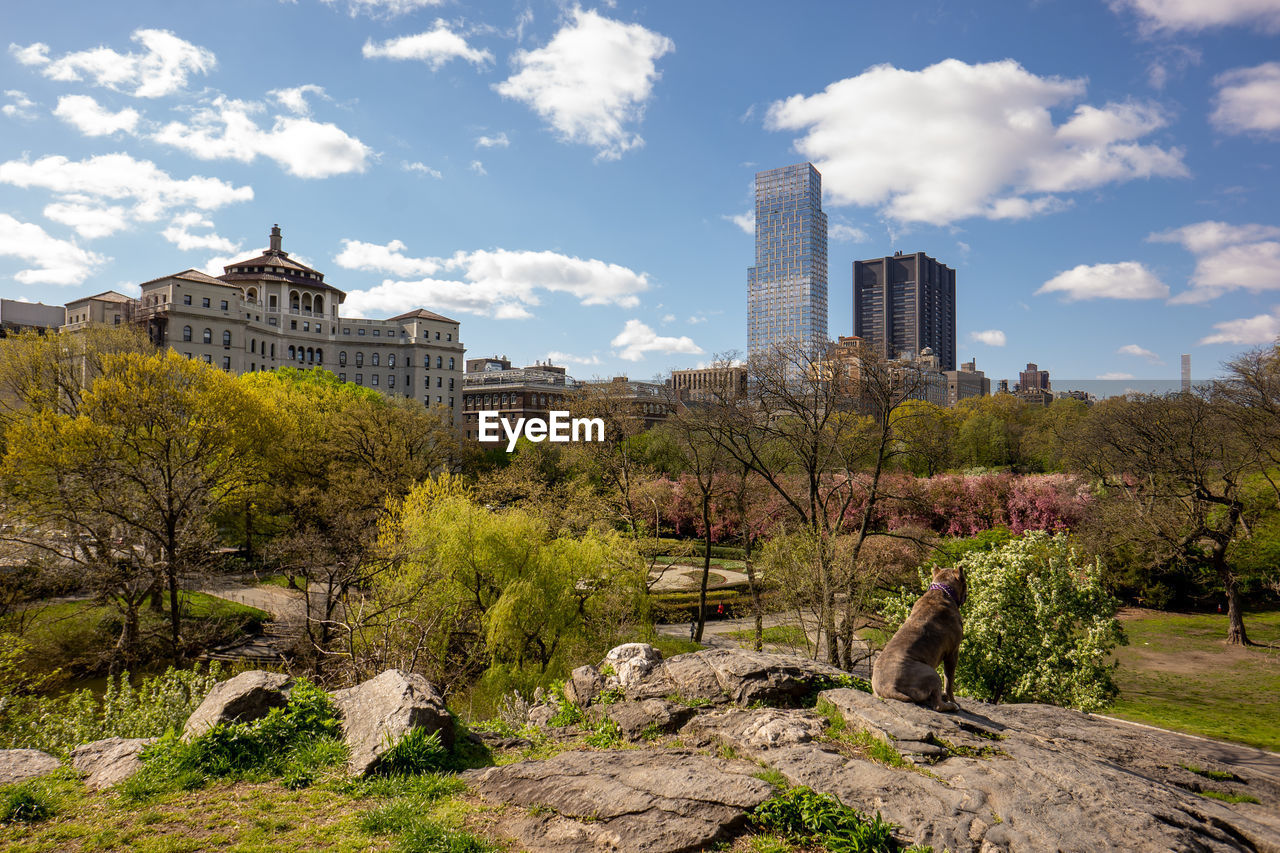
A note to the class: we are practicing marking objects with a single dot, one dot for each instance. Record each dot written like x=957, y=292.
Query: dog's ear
x=937, y=570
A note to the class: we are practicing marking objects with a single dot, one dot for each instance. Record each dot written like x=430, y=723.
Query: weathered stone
x=636, y=720
x=1019, y=778
x=584, y=684
x=656, y=801
x=757, y=729
x=377, y=713
x=20, y=765
x=110, y=761
x=540, y=716
x=629, y=664
x=247, y=696
x=493, y=740
x=730, y=675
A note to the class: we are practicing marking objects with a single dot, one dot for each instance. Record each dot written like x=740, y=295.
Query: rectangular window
x=359, y=378
x=204, y=303
x=186, y=299
x=377, y=332
x=224, y=305
x=306, y=326
x=226, y=362
x=360, y=331
x=342, y=377
x=208, y=359
x=274, y=321
x=293, y=324
x=346, y=330
x=373, y=380
x=391, y=381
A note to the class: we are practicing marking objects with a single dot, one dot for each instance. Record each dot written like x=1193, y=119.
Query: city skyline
x=577, y=183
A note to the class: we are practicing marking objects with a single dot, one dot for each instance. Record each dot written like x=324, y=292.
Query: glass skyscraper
x=787, y=287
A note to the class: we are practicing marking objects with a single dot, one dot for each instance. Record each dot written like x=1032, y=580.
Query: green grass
x=792, y=636
x=1228, y=797
x=1177, y=673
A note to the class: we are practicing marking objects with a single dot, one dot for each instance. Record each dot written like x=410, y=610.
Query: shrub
x=25, y=803
x=802, y=814
x=1039, y=627
x=417, y=752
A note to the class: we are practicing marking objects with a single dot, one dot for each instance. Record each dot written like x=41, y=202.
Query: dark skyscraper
x=904, y=303
x=787, y=287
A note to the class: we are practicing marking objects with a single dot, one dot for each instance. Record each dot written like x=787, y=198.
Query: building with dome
x=271, y=311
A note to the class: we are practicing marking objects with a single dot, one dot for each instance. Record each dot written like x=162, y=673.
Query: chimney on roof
x=275, y=238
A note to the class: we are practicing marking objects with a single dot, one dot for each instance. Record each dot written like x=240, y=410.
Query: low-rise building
x=966, y=382
x=18, y=316
x=493, y=385
x=706, y=384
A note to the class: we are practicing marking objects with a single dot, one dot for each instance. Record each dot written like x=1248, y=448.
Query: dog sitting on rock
x=907, y=669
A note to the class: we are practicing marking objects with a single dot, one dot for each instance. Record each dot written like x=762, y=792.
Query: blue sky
x=575, y=182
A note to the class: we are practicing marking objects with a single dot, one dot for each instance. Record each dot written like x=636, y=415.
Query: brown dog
x=907, y=669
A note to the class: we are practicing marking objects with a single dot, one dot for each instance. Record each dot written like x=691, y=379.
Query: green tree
x=1038, y=625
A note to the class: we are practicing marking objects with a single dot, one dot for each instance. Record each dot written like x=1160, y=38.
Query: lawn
x=1178, y=673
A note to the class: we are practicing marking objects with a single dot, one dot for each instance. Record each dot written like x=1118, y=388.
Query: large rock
x=377, y=713
x=20, y=765
x=656, y=801
x=110, y=761
x=756, y=730
x=583, y=685
x=729, y=675
x=639, y=720
x=248, y=696
x=1021, y=778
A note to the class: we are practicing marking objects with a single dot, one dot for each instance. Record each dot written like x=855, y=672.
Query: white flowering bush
x=1038, y=626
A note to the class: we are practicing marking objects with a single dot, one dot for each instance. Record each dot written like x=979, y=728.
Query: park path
x=287, y=609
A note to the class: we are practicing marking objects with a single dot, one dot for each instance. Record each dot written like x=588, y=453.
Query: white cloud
x=179, y=234
x=847, y=234
x=478, y=167
x=591, y=81
x=668, y=318
x=1125, y=280
x=435, y=48
x=745, y=221
x=119, y=177
x=1228, y=257
x=384, y=8
x=636, y=339
x=1196, y=15
x=53, y=261
x=695, y=319
x=1173, y=61
x=492, y=283
x=1262, y=329
x=990, y=337
x=1139, y=352
x=557, y=357
x=19, y=107
x=89, y=221
x=955, y=140
x=305, y=148
x=499, y=141
x=1248, y=99
x=371, y=257
x=92, y=119
x=295, y=100
x=422, y=169
x=162, y=69
x=1115, y=375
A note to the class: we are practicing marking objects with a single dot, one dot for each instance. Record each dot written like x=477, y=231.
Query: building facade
x=966, y=382
x=18, y=316
x=787, y=287
x=271, y=311
x=905, y=303
x=710, y=383
x=493, y=385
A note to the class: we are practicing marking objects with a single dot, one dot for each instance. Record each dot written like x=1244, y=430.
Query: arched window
x=253, y=345
x=342, y=358
x=318, y=306
x=359, y=359
x=302, y=354
x=319, y=356
x=439, y=362
x=226, y=338
x=291, y=353
x=426, y=362
x=306, y=303
x=374, y=361
x=273, y=350
x=311, y=355
x=294, y=303
x=451, y=362
x=208, y=336
x=391, y=360
x=186, y=333
x=252, y=294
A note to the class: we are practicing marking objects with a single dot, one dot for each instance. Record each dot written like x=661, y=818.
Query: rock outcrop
x=247, y=696
x=377, y=713
x=642, y=719
x=624, y=800
x=21, y=765
x=110, y=761
x=717, y=676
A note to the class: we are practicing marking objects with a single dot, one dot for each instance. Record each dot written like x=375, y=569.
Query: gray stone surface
x=247, y=696
x=732, y=675
x=629, y=664
x=583, y=685
x=110, y=761
x=758, y=730
x=637, y=719
x=377, y=713
x=20, y=765
x=1015, y=778
x=657, y=801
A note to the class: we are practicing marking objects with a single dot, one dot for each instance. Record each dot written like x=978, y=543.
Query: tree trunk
x=706, y=565
x=1236, y=635
x=175, y=611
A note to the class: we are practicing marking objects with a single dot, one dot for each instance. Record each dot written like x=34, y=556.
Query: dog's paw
x=944, y=705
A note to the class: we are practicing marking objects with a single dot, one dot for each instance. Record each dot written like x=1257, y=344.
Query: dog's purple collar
x=946, y=589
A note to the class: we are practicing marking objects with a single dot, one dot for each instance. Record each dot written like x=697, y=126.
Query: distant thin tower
x=1186, y=371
